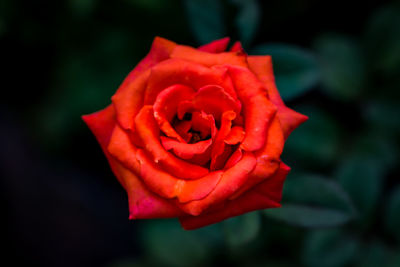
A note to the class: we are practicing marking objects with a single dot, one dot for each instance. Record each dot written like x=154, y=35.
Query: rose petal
x=208, y=59
x=262, y=67
x=273, y=187
x=221, y=159
x=235, y=136
x=166, y=106
x=184, y=150
x=237, y=47
x=290, y=119
x=268, y=158
x=235, y=158
x=129, y=99
x=122, y=149
x=102, y=124
x=178, y=71
x=219, y=144
x=258, y=109
x=203, y=123
x=182, y=128
x=212, y=99
x=148, y=131
x=168, y=186
x=266, y=195
x=144, y=204
x=232, y=179
x=216, y=46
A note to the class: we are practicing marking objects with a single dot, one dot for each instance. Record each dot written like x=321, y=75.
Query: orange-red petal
x=232, y=179
x=166, y=106
x=184, y=150
x=216, y=46
x=208, y=59
x=266, y=195
x=147, y=130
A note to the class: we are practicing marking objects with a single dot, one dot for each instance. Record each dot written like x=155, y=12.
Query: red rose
x=197, y=133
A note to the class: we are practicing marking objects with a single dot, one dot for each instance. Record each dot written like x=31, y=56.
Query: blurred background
x=336, y=61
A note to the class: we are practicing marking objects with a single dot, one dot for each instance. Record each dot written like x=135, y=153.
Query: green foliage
x=312, y=201
x=167, y=244
x=382, y=39
x=392, y=213
x=342, y=66
x=329, y=248
x=296, y=69
x=308, y=146
x=247, y=20
x=241, y=230
x=206, y=19
x=361, y=178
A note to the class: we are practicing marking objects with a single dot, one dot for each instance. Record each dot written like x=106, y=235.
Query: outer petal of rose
x=102, y=124
x=168, y=186
x=128, y=100
x=237, y=47
x=208, y=59
x=212, y=99
x=216, y=46
x=129, y=97
x=267, y=158
x=267, y=195
x=166, y=106
x=235, y=136
x=273, y=187
x=258, y=109
x=231, y=181
x=184, y=150
x=262, y=67
x=147, y=130
x=143, y=204
x=290, y=119
x=122, y=149
x=178, y=71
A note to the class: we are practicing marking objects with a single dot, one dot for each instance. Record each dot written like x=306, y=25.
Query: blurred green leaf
x=342, y=66
x=395, y=259
x=361, y=177
x=296, y=69
x=206, y=19
x=82, y=7
x=383, y=39
x=312, y=217
x=167, y=244
x=316, y=143
x=242, y=229
x=379, y=147
x=84, y=83
x=311, y=201
x=248, y=19
x=329, y=248
x=374, y=254
x=384, y=114
x=392, y=214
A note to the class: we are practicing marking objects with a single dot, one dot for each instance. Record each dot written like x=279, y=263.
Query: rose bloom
x=197, y=133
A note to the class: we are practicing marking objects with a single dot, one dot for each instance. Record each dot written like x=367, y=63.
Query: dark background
x=336, y=61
